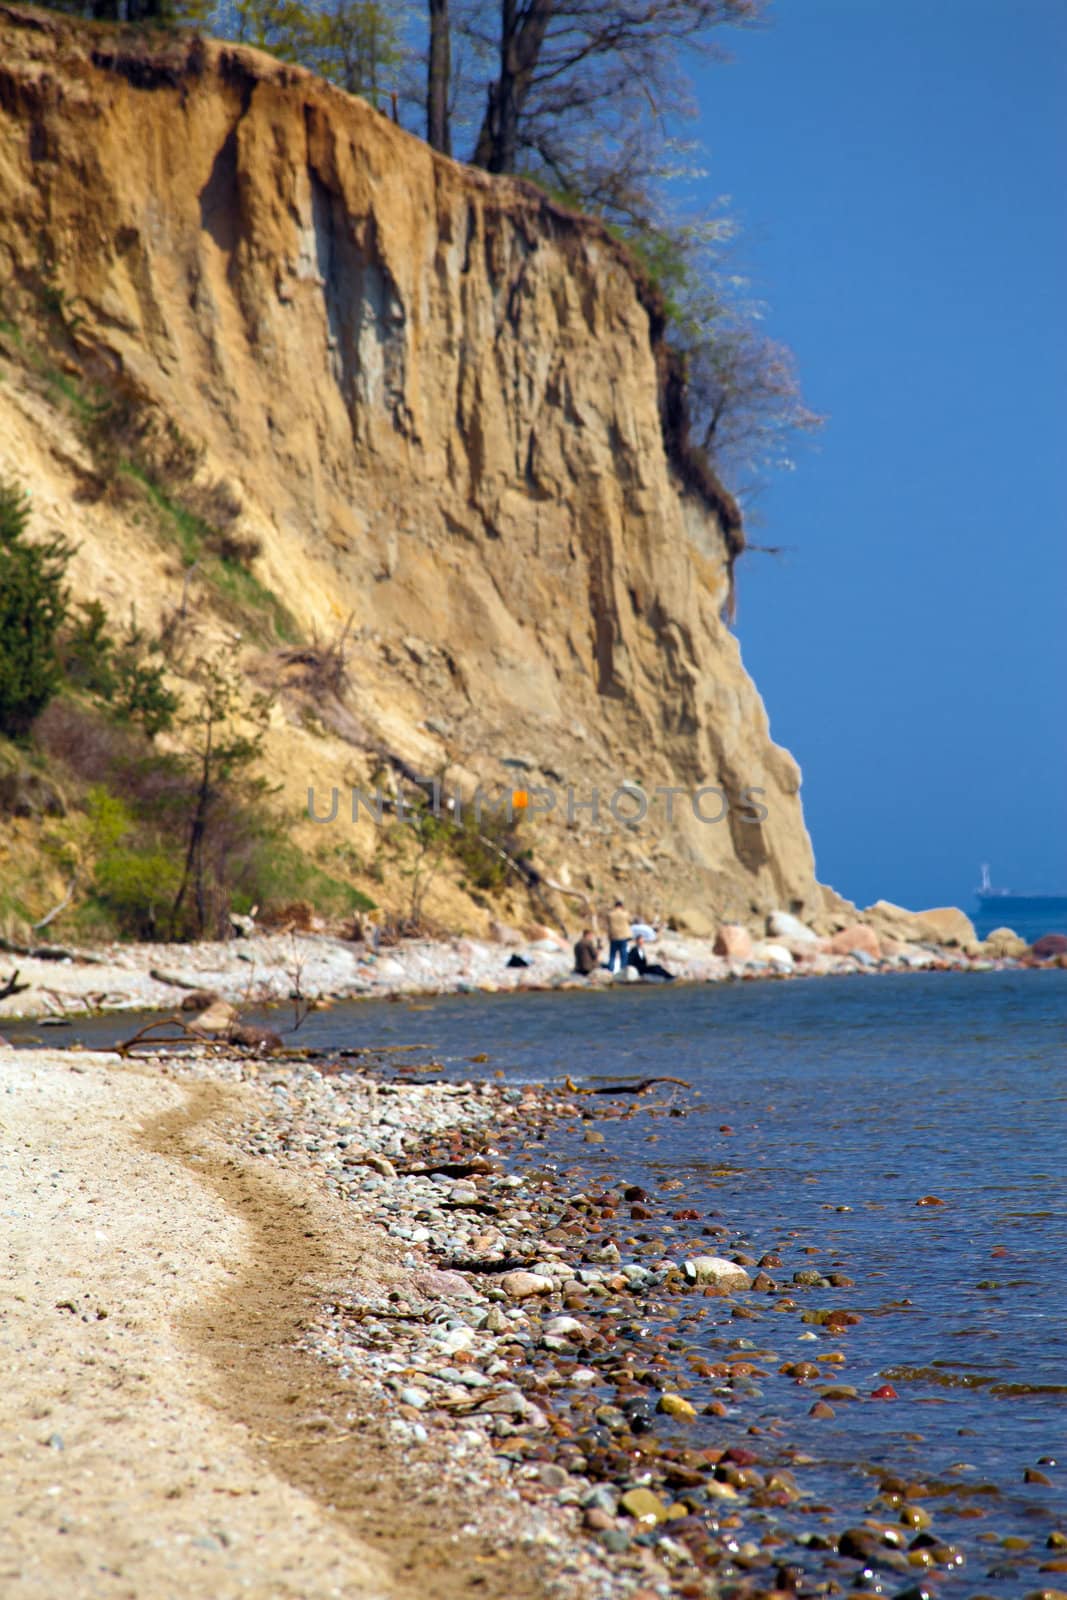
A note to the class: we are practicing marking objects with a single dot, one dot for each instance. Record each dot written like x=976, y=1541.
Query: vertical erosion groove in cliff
x=447, y=407
x=151, y=61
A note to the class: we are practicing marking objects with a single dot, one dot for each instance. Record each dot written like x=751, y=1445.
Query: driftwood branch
x=166, y=977
x=185, y=1035
x=452, y=1169
x=51, y=952
x=488, y=1264
x=13, y=986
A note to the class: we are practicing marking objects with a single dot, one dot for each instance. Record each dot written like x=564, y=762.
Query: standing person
x=619, y=934
x=586, y=953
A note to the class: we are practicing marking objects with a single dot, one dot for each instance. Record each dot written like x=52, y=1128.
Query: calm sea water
x=1030, y=922
x=847, y=1101
x=868, y=1094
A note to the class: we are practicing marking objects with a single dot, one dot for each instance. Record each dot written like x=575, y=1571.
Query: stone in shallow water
x=861, y=1544
x=677, y=1407
x=716, y=1270
x=643, y=1506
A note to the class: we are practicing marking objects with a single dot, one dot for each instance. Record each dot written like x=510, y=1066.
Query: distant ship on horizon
x=1028, y=914
x=988, y=896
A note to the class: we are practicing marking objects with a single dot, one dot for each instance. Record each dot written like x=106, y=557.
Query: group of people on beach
x=626, y=946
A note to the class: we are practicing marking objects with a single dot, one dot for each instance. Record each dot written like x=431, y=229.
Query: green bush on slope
x=33, y=606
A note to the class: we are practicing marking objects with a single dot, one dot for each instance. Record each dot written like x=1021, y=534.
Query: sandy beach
x=168, y=1430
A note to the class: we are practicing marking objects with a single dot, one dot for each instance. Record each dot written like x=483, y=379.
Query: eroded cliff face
x=432, y=397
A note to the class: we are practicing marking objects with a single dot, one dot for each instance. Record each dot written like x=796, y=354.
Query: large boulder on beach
x=946, y=925
x=859, y=938
x=789, y=929
x=733, y=942
x=716, y=1271
x=779, y=955
x=1049, y=946
x=890, y=921
x=1005, y=943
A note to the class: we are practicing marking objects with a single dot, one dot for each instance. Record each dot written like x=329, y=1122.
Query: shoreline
x=270, y=969
x=398, y=1326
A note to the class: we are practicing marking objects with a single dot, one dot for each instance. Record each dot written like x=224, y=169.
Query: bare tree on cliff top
x=563, y=66
x=439, y=78
x=591, y=101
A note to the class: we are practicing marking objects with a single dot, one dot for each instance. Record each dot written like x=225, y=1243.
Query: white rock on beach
x=777, y=954
x=783, y=925
x=718, y=1271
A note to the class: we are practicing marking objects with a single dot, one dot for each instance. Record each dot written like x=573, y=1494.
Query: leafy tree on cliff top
x=354, y=43
x=158, y=12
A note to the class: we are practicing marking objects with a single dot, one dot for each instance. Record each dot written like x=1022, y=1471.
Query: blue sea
x=1030, y=919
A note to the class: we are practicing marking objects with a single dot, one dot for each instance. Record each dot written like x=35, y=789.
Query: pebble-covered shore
x=271, y=967
x=541, y=1346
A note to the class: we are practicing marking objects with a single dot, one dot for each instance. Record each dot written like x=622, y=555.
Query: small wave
x=944, y=1380
x=1011, y=1389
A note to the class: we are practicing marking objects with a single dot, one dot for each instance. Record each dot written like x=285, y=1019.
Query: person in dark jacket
x=643, y=966
x=586, y=953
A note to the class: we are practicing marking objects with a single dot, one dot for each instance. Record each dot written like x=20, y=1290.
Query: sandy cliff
x=434, y=402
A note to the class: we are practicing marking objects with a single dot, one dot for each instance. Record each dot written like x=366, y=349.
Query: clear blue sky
x=900, y=170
